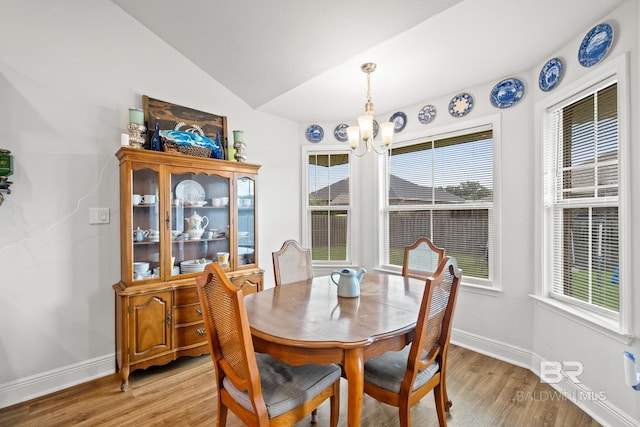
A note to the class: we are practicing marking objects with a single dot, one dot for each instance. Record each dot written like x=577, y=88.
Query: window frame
x=352, y=208
x=619, y=327
x=489, y=286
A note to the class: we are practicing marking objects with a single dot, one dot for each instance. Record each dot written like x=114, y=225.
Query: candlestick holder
x=136, y=140
x=240, y=154
x=238, y=144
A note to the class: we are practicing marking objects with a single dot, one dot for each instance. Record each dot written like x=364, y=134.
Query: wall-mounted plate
x=399, y=120
x=315, y=133
x=507, y=93
x=595, y=45
x=550, y=74
x=340, y=132
x=461, y=104
x=427, y=114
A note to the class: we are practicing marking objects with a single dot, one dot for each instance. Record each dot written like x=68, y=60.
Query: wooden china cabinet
x=162, y=198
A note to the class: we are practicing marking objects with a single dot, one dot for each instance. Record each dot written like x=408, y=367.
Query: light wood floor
x=485, y=392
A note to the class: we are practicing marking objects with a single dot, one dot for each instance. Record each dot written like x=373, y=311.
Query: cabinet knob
x=201, y=331
x=199, y=311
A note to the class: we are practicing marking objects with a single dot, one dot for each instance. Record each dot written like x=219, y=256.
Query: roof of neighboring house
x=399, y=190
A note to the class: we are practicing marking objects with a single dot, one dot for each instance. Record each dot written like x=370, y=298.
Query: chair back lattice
x=227, y=324
x=433, y=329
x=421, y=259
x=292, y=263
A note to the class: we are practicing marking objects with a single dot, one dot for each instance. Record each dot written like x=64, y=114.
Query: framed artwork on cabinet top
x=172, y=114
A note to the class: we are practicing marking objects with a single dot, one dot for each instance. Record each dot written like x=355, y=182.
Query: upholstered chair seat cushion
x=286, y=387
x=387, y=371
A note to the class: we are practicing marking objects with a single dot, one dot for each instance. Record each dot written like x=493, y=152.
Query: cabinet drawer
x=185, y=296
x=187, y=314
x=189, y=335
x=249, y=284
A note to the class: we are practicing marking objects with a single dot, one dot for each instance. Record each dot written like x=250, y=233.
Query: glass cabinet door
x=145, y=223
x=245, y=188
x=199, y=215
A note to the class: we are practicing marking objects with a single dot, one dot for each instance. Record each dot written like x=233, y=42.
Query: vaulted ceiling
x=301, y=59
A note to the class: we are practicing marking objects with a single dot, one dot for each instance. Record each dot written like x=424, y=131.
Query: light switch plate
x=99, y=216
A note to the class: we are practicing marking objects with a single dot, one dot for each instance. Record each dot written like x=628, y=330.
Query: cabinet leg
x=124, y=372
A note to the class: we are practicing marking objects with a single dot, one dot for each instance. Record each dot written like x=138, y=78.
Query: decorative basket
x=188, y=150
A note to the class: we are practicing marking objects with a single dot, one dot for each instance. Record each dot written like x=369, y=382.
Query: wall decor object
x=427, y=114
x=595, y=45
x=461, y=104
x=315, y=133
x=550, y=74
x=507, y=93
x=171, y=115
x=340, y=132
x=399, y=120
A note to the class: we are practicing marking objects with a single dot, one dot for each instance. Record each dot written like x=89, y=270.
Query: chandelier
x=365, y=128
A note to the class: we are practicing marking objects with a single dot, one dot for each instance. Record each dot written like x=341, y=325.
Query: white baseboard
x=592, y=403
x=58, y=379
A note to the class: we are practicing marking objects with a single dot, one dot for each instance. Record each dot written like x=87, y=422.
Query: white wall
x=561, y=338
x=69, y=70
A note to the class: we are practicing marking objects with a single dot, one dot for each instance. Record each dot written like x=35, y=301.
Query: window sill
x=600, y=324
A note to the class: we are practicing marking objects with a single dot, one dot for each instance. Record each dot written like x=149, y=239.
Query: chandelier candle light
x=364, y=129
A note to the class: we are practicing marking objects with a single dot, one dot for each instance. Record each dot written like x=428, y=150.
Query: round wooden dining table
x=306, y=322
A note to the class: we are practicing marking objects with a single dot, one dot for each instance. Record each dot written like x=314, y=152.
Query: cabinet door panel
x=246, y=223
x=150, y=324
x=146, y=225
x=200, y=217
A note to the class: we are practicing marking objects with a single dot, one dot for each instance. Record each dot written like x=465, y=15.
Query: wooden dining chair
x=402, y=378
x=259, y=389
x=291, y=263
x=421, y=259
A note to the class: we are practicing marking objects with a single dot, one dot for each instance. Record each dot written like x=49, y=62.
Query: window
x=442, y=188
x=582, y=200
x=328, y=206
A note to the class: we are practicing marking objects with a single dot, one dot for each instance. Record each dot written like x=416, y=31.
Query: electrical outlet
x=99, y=216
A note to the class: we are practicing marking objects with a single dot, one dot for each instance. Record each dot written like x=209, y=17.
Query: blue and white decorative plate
x=399, y=120
x=595, y=45
x=550, y=74
x=340, y=132
x=315, y=133
x=507, y=93
x=427, y=114
x=461, y=104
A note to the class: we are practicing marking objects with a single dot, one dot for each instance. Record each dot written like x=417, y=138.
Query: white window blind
x=581, y=200
x=442, y=189
x=329, y=206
